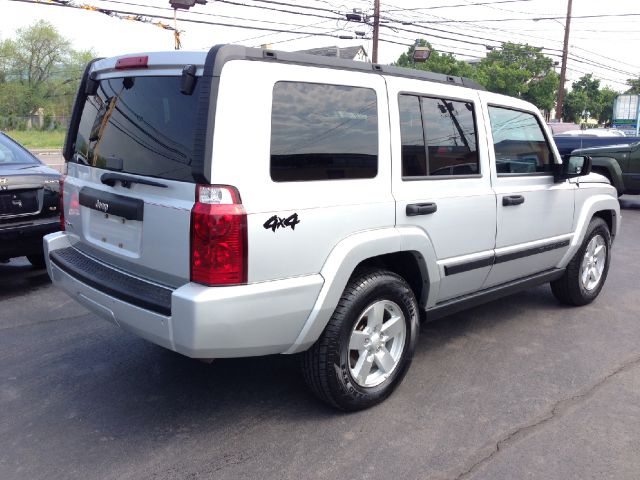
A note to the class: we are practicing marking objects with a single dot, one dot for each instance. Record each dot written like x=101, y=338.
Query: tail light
x=61, y=203
x=218, y=237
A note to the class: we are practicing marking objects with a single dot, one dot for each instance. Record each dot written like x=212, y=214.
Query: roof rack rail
x=227, y=52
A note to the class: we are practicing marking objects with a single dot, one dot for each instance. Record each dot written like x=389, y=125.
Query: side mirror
x=573, y=166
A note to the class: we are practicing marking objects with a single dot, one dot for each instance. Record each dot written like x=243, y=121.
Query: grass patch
x=38, y=139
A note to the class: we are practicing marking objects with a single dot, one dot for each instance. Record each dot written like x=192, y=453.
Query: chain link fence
x=34, y=122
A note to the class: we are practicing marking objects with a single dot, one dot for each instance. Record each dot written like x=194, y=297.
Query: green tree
x=607, y=96
x=39, y=69
x=520, y=71
x=438, y=62
x=586, y=96
x=634, y=83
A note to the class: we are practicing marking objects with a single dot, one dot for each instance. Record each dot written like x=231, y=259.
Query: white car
x=248, y=202
x=592, y=132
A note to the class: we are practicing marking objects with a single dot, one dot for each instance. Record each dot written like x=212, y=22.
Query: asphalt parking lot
x=518, y=388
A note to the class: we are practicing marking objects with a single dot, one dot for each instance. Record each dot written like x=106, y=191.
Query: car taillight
x=218, y=237
x=61, y=203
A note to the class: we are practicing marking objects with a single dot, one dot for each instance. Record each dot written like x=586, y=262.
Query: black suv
x=29, y=202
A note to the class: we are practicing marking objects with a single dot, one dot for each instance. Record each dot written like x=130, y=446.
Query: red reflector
x=132, y=62
x=61, y=203
x=218, y=242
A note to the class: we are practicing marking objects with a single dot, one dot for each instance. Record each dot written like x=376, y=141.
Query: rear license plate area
x=18, y=202
x=113, y=233
x=112, y=222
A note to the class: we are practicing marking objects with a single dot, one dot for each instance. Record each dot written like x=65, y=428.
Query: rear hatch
x=131, y=173
x=27, y=191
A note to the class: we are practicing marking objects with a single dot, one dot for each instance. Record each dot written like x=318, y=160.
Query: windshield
x=139, y=125
x=11, y=153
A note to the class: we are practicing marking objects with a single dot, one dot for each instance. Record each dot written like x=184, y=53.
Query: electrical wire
x=189, y=20
x=328, y=32
x=465, y=5
x=576, y=17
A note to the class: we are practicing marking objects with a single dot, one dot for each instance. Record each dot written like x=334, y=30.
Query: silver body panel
x=296, y=278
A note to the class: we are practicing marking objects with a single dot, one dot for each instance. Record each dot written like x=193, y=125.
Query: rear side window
x=519, y=143
x=139, y=125
x=438, y=137
x=323, y=132
x=12, y=153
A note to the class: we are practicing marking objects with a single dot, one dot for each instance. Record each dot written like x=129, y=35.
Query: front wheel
x=367, y=346
x=587, y=271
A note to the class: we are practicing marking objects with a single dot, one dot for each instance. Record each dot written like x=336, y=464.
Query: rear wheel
x=587, y=271
x=367, y=346
x=37, y=260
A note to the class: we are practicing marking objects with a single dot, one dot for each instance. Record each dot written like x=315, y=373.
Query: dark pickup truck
x=617, y=158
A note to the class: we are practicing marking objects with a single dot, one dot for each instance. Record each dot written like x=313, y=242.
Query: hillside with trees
x=39, y=77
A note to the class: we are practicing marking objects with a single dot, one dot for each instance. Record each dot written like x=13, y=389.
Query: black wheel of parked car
x=367, y=346
x=37, y=260
x=587, y=271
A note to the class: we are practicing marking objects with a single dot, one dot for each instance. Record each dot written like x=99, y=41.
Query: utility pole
x=563, y=68
x=376, y=30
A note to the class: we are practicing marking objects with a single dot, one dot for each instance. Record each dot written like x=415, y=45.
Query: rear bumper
x=201, y=322
x=25, y=238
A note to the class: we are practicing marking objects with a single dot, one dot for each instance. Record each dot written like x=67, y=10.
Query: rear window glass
x=323, y=132
x=11, y=153
x=139, y=125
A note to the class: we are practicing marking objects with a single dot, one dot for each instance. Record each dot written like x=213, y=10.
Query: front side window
x=519, y=143
x=323, y=132
x=438, y=137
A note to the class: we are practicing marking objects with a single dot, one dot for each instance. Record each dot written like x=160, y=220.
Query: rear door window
x=438, y=137
x=323, y=132
x=139, y=125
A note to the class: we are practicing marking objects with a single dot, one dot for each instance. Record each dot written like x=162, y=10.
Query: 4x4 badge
x=276, y=222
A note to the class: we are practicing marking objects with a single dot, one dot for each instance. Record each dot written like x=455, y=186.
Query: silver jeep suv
x=248, y=202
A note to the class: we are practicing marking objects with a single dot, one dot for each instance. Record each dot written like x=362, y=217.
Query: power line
x=303, y=34
x=397, y=28
x=528, y=19
x=431, y=35
x=190, y=20
x=463, y=5
x=484, y=27
x=313, y=25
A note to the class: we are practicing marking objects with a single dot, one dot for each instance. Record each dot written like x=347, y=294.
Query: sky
x=604, y=36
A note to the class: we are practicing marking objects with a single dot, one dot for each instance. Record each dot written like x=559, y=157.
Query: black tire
x=37, y=260
x=327, y=364
x=569, y=288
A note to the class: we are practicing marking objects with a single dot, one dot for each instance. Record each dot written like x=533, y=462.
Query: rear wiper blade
x=126, y=180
